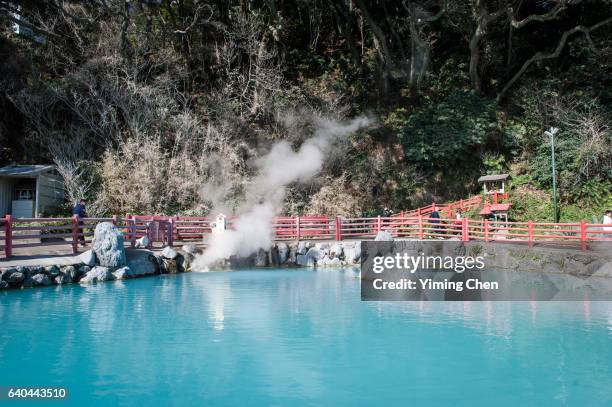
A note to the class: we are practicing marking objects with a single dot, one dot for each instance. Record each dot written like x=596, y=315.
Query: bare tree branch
x=542, y=56
x=550, y=15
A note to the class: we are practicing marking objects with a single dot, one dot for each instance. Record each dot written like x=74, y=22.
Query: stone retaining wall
x=141, y=262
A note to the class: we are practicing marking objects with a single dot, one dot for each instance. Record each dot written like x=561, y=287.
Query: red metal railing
x=447, y=210
x=42, y=232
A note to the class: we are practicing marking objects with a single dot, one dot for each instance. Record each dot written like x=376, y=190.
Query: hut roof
x=495, y=177
x=25, y=171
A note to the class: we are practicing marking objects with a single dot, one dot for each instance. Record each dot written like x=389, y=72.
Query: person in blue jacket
x=80, y=210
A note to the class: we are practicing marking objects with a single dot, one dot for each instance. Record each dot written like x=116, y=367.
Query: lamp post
x=551, y=133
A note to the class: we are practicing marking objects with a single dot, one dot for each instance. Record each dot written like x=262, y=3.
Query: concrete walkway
x=42, y=256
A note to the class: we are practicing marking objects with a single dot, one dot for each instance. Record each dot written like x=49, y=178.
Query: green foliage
x=494, y=163
x=593, y=193
x=219, y=87
x=531, y=205
x=450, y=134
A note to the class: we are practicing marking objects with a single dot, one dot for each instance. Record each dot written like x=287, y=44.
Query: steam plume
x=281, y=166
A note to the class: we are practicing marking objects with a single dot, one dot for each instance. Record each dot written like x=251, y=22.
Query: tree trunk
x=475, y=61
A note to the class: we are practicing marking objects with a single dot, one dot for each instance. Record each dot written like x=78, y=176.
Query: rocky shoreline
x=106, y=261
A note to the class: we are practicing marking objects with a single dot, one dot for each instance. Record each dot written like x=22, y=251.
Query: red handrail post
x=75, y=233
x=583, y=234
x=486, y=230
x=132, y=227
x=530, y=232
x=378, y=224
x=465, y=235
x=297, y=224
x=420, y=227
x=8, y=236
x=338, y=228
x=170, y=232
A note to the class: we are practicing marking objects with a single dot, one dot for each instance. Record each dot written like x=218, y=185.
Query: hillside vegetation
x=142, y=103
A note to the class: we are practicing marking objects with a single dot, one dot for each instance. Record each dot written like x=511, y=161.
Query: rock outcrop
x=143, y=242
x=97, y=274
x=283, y=252
x=383, y=236
x=169, y=253
x=108, y=245
x=88, y=258
x=41, y=279
x=123, y=273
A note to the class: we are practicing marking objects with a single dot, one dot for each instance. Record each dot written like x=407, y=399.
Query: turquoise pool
x=292, y=337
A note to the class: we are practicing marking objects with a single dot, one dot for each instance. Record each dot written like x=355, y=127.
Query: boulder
x=52, y=271
x=62, y=279
x=335, y=250
x=97, y=274
x=335, y=262
x=261, y=258
x=88, y=258
x=383, y=236
x=183, y=261
x=273, y=257
x=168, y=266
x=15, y=278
x=304, y=261
x=302, y=248
x=169, y=253
x=41, y=279
x=283, y=252
x=33, y=270
x=310, y=259
x=27, y=282
x=142, y=262
x=82, y=270
x=143, y=242
x=108, y=245
x=191, y=249
x=3, y=284
x=6, y=273
x=292, y=257
x=352, y=252
x=70, y=274
x=123, y=273
x=324, y=261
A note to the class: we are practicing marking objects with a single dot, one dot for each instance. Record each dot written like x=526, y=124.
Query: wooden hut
x=28, y=191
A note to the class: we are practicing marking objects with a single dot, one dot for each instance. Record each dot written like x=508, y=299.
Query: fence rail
x=171, y=230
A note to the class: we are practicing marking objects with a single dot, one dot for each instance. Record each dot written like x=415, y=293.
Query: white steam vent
x=282, y=165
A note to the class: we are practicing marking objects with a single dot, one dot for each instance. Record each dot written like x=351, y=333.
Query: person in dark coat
x=435, y=216
x=80, y=210
x=434, y=219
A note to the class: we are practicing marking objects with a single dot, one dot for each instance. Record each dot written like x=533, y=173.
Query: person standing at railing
x=458, y=222
x=80, y=211
x=607, y=220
